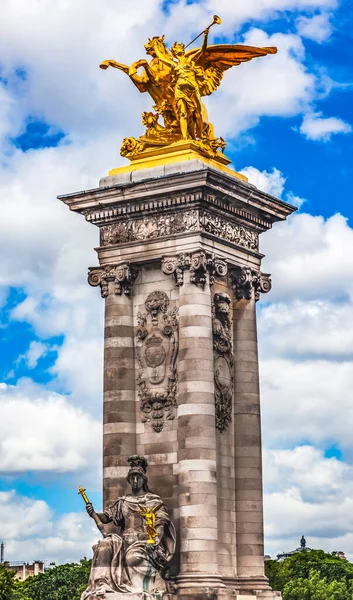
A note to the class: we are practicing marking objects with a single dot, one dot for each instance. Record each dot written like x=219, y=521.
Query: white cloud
x=235, y=14
x=307, y=401
x=307, y=494
x=287, y=87
x=35, y=352
x=309, y=258
x=315, y=329
x=317, y=27
x=42, y=431
x=35, y=516
x=79, y=368
x=270, y=183
x=319, y=128
x=39, y=534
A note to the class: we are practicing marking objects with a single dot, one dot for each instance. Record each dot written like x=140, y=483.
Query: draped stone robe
x=124, y=562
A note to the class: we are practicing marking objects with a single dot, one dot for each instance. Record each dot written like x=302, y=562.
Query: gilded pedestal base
x=176, y=153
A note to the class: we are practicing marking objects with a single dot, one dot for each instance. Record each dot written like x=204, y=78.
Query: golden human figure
x=188, y=105
x=177, y=80
x=149, y=514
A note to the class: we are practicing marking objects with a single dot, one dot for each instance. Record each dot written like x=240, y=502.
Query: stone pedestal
x=180, y=274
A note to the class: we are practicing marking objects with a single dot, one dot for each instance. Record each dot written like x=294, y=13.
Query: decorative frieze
x=247, y=282
x=166, y=224
x=203, y=267
x=149, y=228
x=157, y=350
x=223, y=360
x=228, y=230
x=122, y=276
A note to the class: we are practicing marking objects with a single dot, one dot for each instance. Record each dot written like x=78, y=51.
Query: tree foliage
x=317, y=588
x=65, y=582
x=312, y=575
x=7, y=583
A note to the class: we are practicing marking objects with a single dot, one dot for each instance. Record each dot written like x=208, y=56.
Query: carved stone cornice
x=122, y=276
x=203, y=267
x=201, y=199
x=249, y=283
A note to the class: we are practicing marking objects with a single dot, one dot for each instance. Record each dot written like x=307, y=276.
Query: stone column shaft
x=119, y=429
x=247, y=432
x=197, y=440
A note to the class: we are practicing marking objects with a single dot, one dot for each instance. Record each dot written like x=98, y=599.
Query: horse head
x=153, y=42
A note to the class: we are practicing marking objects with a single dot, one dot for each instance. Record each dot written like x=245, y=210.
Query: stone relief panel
x=223, y=360
x=203, y=267
x=149, y=227
x=248, y=283
x=157, y=350
x=233, y=232
x=164, y=225
x=123, y=276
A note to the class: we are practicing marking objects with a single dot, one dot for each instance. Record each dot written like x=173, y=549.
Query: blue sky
x=288, y=122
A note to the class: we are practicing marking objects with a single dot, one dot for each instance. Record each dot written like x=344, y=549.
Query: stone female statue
x=127, y=562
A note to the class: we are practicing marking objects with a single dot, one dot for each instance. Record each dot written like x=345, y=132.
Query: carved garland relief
x=223, y=361
x=233, y=232
x=149, y=228
x=157, y=349
x=164, y=225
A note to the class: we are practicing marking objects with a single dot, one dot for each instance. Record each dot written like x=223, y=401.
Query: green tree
x=316, y=588
x=313, y=575
x=7, y=583
x=65, y=582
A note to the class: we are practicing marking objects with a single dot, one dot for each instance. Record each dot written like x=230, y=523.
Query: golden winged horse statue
x=176, y=80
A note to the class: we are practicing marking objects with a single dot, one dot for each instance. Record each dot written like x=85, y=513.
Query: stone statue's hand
x=90, y=509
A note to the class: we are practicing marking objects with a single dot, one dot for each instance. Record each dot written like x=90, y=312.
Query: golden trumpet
x=216, y=21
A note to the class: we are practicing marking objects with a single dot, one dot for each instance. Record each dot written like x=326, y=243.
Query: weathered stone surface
x=185, y=392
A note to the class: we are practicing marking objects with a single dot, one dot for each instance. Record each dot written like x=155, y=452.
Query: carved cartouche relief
x=223, y=360
x=157, y=349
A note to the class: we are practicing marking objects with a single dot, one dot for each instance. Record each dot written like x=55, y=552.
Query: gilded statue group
x=176, y=80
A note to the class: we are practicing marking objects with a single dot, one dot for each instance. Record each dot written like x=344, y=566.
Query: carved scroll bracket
x=249, y=283
x=123, y=277
x=203, y=267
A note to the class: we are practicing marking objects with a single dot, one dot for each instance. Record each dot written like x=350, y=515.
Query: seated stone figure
x=131, y=561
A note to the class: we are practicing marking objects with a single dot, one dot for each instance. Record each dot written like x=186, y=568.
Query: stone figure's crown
x=138, y=463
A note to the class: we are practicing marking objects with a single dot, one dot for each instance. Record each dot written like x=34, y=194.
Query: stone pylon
x=180, y=274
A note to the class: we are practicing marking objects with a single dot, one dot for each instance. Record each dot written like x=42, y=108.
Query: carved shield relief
x=157, y=348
